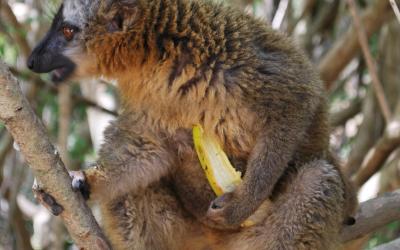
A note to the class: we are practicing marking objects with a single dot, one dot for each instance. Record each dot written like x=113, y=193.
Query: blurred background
x=363, y=90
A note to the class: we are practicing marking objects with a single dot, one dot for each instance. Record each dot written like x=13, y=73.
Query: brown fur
x=180, y=63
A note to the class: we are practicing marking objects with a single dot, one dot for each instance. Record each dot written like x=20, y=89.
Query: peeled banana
x=220, y=173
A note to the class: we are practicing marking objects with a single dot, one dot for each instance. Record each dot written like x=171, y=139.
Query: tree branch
x=376, y=83
x=344, y=50
x=17, y=34
x=339, y=118
x=372, y=215
x=368, y=133
x=76, y=98
x=30, y=135
x=395, y=9
x=377, y=156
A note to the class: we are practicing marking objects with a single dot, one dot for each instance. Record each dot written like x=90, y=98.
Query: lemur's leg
x=307, y=213
x=130, y=159
x=151, y=220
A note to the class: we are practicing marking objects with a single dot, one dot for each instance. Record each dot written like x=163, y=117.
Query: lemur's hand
x=229, y=211
x=79, y=183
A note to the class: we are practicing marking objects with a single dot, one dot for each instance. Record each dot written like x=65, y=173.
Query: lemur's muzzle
x=60, y=66
x=47, y=57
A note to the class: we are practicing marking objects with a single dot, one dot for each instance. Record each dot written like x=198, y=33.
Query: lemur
x=185, y=62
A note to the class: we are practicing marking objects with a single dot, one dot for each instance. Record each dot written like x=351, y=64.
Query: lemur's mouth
x=61, y=74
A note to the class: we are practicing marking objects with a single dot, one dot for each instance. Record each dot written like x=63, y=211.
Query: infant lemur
x=185, y=62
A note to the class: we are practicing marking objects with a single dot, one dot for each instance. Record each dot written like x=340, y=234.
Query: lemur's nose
x=31, y=62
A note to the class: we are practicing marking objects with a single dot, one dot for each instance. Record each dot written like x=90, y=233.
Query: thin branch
x=369, y=132
x=30, y=135
x=395, y=9
x=280, y=14
x=339, y=118
x=77, y=98
x=346, y=48
x=16, y=221
x=17, y=33
x=377, y=156
x=372, y=215
x=363, y=40
x=308, y=6
x=375, y=159
x=64, y=121
x=6, y=143
x=22, y=234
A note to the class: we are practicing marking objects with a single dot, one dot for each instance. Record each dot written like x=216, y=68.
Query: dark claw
x=215, y=205
x=221, y=201
x=350, y=221
x=85, y=190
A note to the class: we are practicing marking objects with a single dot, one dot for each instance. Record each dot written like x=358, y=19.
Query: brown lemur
x=185, y=62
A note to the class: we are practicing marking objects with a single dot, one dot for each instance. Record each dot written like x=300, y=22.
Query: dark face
x=49, y=54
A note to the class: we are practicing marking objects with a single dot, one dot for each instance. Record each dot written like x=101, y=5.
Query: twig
x=368, y=134
x=372, y=215
x=16, y=220
x=309, y=4
x=340, y=117
x=280, y=14
x=6, y=143
x=380, y=152
x=30, y=135
x=362, y=37
x=64, y=120
x=395, y=9
x=344, y=49
x=77, y=98
x=18, y=36
x=22, y=234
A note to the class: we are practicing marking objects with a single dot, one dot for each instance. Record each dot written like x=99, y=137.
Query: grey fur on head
x=79, y=12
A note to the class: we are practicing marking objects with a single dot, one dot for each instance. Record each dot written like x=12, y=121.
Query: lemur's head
x=64, y=49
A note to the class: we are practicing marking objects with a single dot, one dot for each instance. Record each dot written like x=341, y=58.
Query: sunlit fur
x=180, y=63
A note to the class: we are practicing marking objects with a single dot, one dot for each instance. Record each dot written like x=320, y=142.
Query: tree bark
x=30, y=135
x=372, y=215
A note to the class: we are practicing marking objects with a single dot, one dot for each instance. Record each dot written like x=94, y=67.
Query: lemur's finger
x=80, y=184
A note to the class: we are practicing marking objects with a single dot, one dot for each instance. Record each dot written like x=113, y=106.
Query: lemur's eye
x=68, y=33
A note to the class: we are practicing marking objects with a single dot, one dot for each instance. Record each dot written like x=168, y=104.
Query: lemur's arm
x=128, y=161
x=284, y=127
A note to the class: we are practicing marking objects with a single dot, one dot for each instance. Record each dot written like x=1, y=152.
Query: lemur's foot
x=79, y=183
x=47, y=200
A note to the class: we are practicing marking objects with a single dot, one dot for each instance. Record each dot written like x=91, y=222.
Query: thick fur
x=180, y=63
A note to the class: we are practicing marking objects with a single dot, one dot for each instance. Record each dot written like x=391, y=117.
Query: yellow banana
x=220, y=173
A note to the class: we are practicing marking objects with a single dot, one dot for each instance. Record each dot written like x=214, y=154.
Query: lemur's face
x=49, y=54
x=62, y=51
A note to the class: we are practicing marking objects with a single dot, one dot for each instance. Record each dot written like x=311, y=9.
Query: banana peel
x=220, y=173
